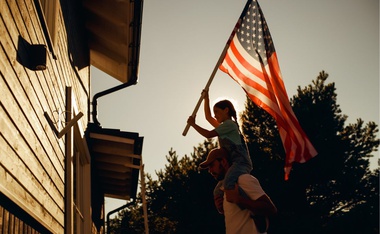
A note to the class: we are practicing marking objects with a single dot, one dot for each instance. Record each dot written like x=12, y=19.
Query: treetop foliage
x=335, y=192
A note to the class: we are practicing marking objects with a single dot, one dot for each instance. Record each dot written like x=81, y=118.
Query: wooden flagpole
x=207, y=86
x=217, y=65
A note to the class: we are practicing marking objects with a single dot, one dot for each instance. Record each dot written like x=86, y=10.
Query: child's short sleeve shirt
x=229, y=130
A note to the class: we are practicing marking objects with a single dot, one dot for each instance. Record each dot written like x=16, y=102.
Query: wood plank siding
x=32, y=158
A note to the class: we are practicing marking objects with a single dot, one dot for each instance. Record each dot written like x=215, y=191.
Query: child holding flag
x=227, y=130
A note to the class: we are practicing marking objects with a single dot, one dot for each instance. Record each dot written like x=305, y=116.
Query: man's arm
x=261, y=206
x=218, y=201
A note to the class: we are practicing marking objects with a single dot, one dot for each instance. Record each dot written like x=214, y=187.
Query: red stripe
x=253, y=70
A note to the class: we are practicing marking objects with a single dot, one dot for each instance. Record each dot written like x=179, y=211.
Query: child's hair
x=232, y=112
x=224, y=104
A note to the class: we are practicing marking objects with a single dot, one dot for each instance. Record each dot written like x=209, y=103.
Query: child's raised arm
x=204, y=132
x=207, y=110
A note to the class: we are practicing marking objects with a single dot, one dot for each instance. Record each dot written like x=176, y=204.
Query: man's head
x=216, y=163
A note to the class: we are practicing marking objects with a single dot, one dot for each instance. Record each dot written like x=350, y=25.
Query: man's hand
x=232, y=195
x=218, y=200
x=262, y=206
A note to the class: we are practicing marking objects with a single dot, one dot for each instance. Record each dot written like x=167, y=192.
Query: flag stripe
x=250, y=78
x=252, y=62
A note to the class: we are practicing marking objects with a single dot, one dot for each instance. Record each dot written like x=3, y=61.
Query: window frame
x=48, y=11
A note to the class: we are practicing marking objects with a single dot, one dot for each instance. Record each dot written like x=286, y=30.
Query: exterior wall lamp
x=38, y=57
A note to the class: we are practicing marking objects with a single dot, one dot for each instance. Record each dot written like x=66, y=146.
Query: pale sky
x=182, y=40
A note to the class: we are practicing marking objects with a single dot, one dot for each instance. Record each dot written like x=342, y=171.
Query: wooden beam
x=117, y=12
x=115, y=159
x=69, y=191
x=116, y=167
x=113, y=65
x=112, y=138
x=105, y=32
x=117, y=151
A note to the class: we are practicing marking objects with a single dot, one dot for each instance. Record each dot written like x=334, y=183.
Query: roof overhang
x=114, y=35
x=116, y=160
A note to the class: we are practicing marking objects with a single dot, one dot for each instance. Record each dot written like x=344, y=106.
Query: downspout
x=130, y=82
x=137, y=22
x=116, y=210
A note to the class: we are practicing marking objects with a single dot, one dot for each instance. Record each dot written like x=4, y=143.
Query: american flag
x=251, y=61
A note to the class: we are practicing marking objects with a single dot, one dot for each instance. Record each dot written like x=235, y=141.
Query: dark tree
x=331, y=185
x=335, y=192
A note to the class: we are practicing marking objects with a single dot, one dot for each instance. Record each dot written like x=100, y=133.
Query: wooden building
x=56, y=162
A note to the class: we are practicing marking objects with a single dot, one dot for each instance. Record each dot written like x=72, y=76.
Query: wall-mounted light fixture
x=38, y=57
